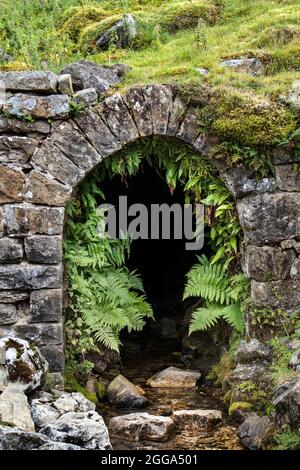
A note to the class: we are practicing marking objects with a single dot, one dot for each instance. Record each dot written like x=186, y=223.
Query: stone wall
x=46, y=149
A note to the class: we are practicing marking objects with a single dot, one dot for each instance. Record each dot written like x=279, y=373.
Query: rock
x=41, y=107
x=65, y=86
x=9, y=192
x=240, y=411
x=4, y=56
x=16, y=149
x=8, y=314
x=288, y=177
x=42, y=188
x=202, y=71
x=85, y=429
x=17, y=439
x=251, y=66
x=39, y=334
x=22, y=219
x=196, y=419
x=59, y=446
x=18, y=126
x=284, y=294
x=45, y=305
x=141, y=427
x=293, y=98
x=174, y=377
x=85, y=98
x=43, y=413
x=253, y=372
x=268, y=219
x=51, y=159
x=167, y=328
x=253, y=351
x=267, y=263
x=287, y=403
x=14, y=408
x=121, y=393
x=13, y=296
x=86, y=74
x=255, y=432
x=55, y=355
x=75, y=402
x=32, y=276
x=23, y=364
x=294, y=344
x=295, y=270
x=42, y=249
x=11, y=250
x=121, y=34
x=295, y=360
x=37, y=82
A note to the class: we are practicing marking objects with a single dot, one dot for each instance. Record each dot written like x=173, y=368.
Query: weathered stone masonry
x=46, y=150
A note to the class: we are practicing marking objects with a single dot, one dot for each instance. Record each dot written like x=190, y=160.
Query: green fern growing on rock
x=223, y=296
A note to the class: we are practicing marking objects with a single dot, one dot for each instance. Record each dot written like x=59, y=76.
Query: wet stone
x=45, y=305
x=43, y=249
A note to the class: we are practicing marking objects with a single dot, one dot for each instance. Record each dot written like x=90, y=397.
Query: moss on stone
x=185, y=15
x=240, y=405
x=14, y=66
x=222, y=371
x=92, y=32
x=81, y=18
x=101, y=391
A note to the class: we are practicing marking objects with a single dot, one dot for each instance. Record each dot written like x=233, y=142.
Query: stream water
x=141, y=364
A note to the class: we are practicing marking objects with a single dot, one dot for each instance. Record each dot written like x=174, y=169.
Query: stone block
x=11, y=250
x=189, y=129
x=97, y=133
x=288, y=177
x=267, y=263
x=42, y=188
x=45, y=82
x=18, y=126
x=13, y=296
x=295, y=271
x=268, y=219
x=25, y=276
x=40, y=334
x=45, y=305
x=55, y=356
x=8, y=314
x=24, y=219
x=284, y=294
x=75, y=146
x=177, y=114
x=86, y=97
x=140, y=109
x=50, y=158
x=40, y=107
x=11, y=192
x=43, y=249
x=16, y=149
x=118, y=118
x=160, y=102
x=65, y=86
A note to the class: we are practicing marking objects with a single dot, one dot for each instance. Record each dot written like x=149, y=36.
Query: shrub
x=185, y=15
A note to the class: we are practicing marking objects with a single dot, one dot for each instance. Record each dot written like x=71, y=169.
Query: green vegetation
x=175, y=37
x=239, y=405
x=224, y=296
x=287, y=439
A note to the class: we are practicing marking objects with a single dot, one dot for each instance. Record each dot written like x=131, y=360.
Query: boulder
x=287, y=403
x=17, y=439
x=65, y=86
x=255, y=432
x=86, y=74
x=268, y=263
x=121, y=34
x=14, y=408
x=121, y=393
x=196, y=419
x=141, y=427
x=23, y=364
x=250, y=66
x=75, y=402
x=253, y=351
x=174, y=377
x=84, y=429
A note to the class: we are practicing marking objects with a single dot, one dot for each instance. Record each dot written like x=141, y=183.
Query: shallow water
x=138, y=366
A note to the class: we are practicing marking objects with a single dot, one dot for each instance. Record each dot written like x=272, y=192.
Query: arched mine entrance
x=162, y=342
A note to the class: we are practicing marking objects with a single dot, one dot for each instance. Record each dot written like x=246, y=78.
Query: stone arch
x=34, y=191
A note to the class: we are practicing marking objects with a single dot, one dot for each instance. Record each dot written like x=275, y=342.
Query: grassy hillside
x=175, y=37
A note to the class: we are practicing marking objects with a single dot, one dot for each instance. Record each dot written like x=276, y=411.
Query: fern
x=223, y=296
